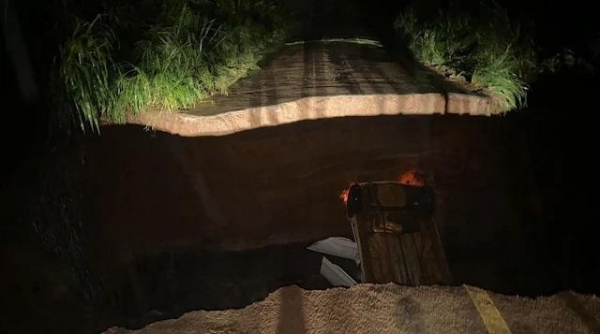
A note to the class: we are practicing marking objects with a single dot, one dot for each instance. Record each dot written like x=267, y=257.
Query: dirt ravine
x=154, y=191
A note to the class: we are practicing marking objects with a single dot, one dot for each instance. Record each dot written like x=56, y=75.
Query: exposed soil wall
x=155, y=191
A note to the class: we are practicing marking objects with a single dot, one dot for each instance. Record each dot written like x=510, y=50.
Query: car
x=397, y=237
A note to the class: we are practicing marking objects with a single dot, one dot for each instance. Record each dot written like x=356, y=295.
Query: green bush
x=478, y=43
x=189, y=51
x=87, y=71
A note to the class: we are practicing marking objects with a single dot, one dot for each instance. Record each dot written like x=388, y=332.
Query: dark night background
x=558, y=123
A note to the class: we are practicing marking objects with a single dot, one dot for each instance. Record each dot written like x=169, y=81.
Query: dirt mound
x=389, y=309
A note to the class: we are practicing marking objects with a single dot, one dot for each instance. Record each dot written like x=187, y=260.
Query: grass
x=478, y=45
x=86, y=71
x=190, y=51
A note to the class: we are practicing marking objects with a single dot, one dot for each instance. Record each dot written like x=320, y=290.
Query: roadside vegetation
x=477, y=45
x=106, y=59
x=164, y=55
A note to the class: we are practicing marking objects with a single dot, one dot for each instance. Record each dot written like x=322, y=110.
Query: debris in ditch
x=337, y=246
x=335, y=274
x=342, y=250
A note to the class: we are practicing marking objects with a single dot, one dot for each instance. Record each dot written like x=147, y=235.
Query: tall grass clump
x=184, y=52
x=476, y=44
x=173, y=66
x=256, y=26
x=497, y=73
x=87, y=72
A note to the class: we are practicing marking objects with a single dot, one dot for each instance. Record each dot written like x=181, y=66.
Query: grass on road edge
x=479, y=46
x=192, y=50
